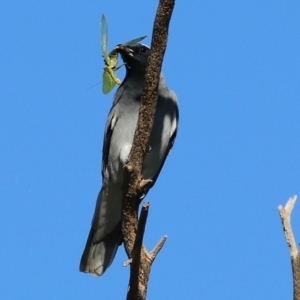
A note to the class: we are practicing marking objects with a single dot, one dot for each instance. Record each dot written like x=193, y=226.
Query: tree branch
x=158, y=247
x=132, y=229
x=141, y=227
x=285, y=215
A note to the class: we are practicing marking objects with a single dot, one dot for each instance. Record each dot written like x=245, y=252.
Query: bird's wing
x=171, y=96
x=109, y=128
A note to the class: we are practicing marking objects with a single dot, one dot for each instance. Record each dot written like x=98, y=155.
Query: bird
x=105, y=235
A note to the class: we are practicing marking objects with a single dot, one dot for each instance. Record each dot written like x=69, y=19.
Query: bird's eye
x=143, y=49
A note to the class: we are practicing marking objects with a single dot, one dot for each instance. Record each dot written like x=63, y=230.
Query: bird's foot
x=144, y=183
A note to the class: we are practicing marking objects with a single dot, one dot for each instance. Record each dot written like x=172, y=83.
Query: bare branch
x=285, y=215
x=157, y=248
x=141, y=227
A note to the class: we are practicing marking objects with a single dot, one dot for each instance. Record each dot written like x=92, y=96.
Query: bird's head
x=135, y=57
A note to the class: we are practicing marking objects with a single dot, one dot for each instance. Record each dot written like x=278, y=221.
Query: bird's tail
x=97, y=257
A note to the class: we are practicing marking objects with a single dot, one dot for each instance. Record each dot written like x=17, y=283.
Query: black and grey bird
x=105, y=235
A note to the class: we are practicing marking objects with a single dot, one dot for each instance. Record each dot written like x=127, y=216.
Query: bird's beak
x=123, y=50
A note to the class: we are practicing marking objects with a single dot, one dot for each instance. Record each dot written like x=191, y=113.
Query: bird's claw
x=144, y=183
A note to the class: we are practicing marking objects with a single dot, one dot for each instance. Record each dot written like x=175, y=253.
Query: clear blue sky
x=235, y=66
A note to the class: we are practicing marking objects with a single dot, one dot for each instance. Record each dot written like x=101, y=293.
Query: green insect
x=111, y=60
x=110, y=78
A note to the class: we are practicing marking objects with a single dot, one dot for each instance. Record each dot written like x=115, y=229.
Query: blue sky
x=235, y=67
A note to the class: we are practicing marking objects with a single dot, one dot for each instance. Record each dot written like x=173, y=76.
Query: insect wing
x=134, y=41
x=108, y=83
x=104, y=39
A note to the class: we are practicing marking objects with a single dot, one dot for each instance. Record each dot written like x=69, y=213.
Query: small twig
x=285, y=215
x=127, y=262
x=157, y=248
